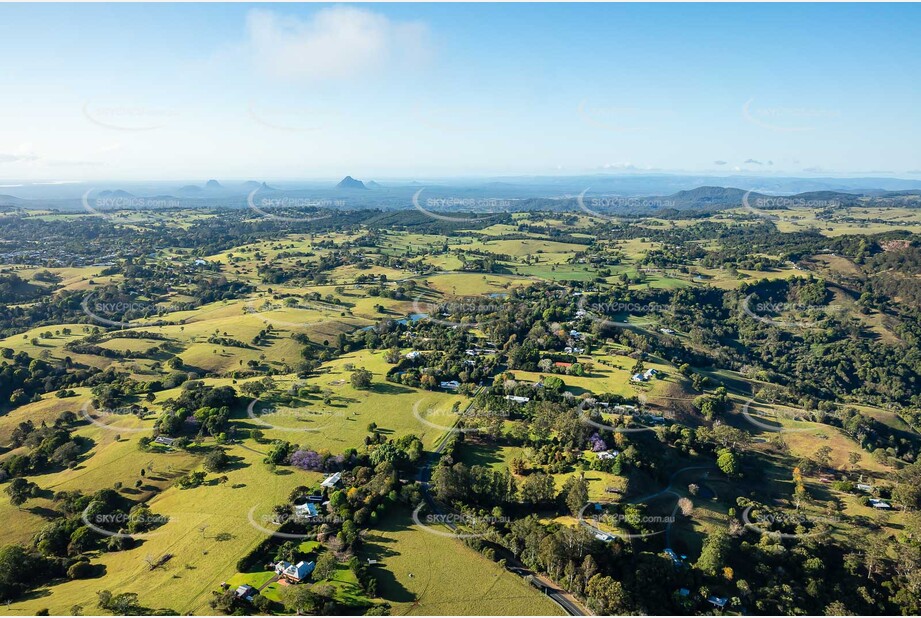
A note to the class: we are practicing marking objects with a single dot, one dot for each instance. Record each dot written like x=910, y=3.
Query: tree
x=216, y=460
x=326, y=566
x=300, y=600
x=19, y=490
x=728, y=463
x=538, y=488
x=575, y=494
x=713, y=554
x=361, y=379
x=606, y=596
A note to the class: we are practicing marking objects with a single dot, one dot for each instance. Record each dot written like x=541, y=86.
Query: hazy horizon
x=419, y=91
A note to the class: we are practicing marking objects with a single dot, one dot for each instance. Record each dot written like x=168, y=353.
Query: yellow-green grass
x=609, y=379
x=471, y=284
x=109, y=461
x=500, y=457
x=421, y=573
x=544, y=250
x=556, y=272
x=208, y=531
x=344, y=423
x=23, y=341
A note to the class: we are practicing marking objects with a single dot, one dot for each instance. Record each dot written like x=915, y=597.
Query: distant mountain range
x=350, y=183
x=640, y=194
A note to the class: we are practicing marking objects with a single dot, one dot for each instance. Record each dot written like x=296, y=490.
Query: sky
x=317, y=91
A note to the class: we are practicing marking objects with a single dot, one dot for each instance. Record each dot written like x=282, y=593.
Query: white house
x=453, y=385
x=332, y=480
x=518, y=399
x=413, y=355
x=879, y=504
x=295, y=572
x=307, y=510
x=608, y=454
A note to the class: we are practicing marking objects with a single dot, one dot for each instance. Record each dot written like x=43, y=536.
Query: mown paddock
x=421, y=573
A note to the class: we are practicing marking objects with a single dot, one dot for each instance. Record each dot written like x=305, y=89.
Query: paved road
x=561, y=597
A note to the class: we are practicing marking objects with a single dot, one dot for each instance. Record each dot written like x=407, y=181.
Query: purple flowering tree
x=597, y=443
x=307, y=460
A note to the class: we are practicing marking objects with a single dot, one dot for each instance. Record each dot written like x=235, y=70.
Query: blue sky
x=165, y=91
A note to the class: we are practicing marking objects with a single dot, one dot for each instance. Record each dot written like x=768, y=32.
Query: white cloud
x=336, y=42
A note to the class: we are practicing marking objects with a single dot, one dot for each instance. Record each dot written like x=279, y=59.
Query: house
x=245, y=592
x=308, y=510
x=667, y=331
x=452, y=385
x=413, y=355
x=562, y=364
x=608, y=454
x=332, y=480
x=637, y=377
x=650, y=373
x=518, y=399
x=575, y=334
x=200, y=262
x=295, y=572
x=865, y=488
x=879, y=504
x=164, y=440
x=674, y=557
x=606, y=538
x=716, y=601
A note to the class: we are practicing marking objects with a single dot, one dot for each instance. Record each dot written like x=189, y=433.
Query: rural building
x=332, y=480
x=164, y=440
x=245, y=592
x=716, y=601
x=518, y=399
x=295, y=572
x=306, y=510
x=452, y=385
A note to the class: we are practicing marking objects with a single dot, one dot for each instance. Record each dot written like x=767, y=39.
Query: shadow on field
x=379, y=548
